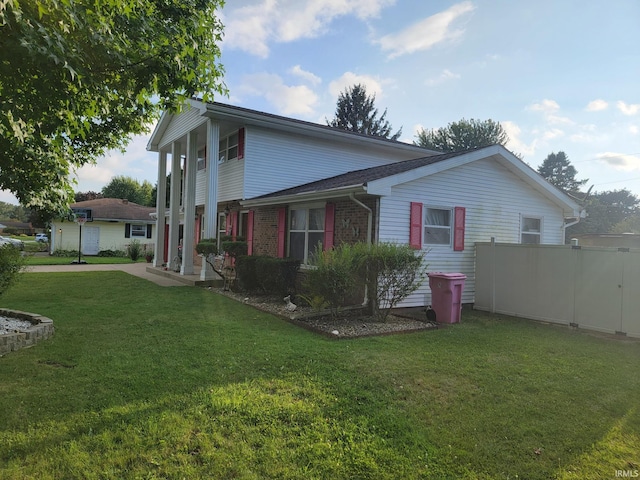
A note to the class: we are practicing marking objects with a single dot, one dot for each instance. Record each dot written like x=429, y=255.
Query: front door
x=90, y=240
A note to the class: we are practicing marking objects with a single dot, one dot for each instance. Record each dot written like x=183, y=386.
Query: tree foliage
x=128, y=188
x=608, y=212
x=356, y=112
x=11, y=264
x=463, y=135
x=78, y=77
x=558, y=171
x=88, y=195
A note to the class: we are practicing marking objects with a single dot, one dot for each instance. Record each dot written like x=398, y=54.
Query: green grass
x=142, y=381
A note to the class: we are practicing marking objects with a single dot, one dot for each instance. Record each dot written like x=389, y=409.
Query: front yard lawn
x=141, y=381
x=51, y=260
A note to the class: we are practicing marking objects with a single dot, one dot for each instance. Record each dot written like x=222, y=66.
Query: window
x=228, y=148
x=531, y=230
x=138, y=230
x=202, y=159
x=437, y=226
x=222, y=227
x=306, y=231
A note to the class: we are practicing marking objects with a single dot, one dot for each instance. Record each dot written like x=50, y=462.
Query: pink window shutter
x=282, y=230
x=329, y=225
x=241, y=143
x=458, y=229
x=415, y=226
x=250, y=232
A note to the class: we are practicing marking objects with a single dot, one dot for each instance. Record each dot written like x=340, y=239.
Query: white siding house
x=263, y=170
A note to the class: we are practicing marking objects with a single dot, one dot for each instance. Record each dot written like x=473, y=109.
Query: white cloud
x=597, y=106
x=251, y=28
x=426, y=33
x=305, y=75
x=286, y=99
x=634, y=129
x=515, y=143
x=620, y=161
x=549, y=109
x=445, y=76
x=348, y=79
x=628, y=109
x=553, y=133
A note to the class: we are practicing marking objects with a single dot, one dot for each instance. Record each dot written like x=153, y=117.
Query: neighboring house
x=115, y=223
x=287, y=185
x=21, y=228
x=617, y=240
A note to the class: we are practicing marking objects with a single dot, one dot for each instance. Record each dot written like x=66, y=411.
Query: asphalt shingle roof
x=115, y=209
x=364, y=176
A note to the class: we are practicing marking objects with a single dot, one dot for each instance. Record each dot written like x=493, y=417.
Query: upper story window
x=437, y=226
x=531, y=230
x=306, y=231
x=228, y=148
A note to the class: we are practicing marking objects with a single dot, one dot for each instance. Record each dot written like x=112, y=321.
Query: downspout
x=583, y=214
x=369, y=233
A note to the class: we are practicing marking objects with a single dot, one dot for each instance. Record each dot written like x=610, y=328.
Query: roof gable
x=380, y=180
x=116, y=209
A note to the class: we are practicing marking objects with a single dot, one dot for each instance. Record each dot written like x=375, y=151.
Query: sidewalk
x=137, y=269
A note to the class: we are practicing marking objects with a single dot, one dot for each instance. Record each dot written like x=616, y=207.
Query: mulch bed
x=352, y=323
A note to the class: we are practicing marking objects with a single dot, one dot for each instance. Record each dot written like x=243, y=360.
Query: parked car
x=13, y=242
x=42, y=237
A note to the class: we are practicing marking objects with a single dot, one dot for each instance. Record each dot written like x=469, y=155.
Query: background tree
x=89, y=195
x=558, y=171
x=608, y=212
x=77, y=78
x=130, y=189
x=463, y=135
x=355, y=112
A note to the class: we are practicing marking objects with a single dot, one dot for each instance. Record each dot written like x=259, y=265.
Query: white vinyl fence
x=595, y=288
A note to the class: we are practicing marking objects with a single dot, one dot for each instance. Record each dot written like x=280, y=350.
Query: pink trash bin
x=446, y=295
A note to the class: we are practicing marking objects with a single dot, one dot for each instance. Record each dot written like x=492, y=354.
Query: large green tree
x=557, y=170
x=77, y=77
x=130, y=189
x=608, y=212
x=356, y=112
x=463, y=135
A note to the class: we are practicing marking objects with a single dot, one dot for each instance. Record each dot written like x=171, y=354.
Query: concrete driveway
x=137, y=269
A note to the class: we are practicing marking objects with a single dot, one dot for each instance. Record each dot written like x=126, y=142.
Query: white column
x=174, y=204
x=211, y=201
x=189, y=205
x=158, y=256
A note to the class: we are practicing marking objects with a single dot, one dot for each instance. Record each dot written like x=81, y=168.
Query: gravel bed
x=11, y=325
x=349, y=325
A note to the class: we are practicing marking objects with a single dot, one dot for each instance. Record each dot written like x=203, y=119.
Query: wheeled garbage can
x=446, y=295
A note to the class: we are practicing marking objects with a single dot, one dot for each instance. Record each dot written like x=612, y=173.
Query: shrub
x=207, y=246
x=64, y=253
x=392, y=272
x=334, y=277
x=112, y=253
x=246, y=273
x=235, y=249
x=268, y=274
x=134, y=250
x=11, y=264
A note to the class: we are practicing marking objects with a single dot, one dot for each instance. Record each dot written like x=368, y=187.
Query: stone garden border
x=41, y=329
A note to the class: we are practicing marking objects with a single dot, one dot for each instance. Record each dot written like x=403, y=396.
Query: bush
x=235, y=249
x=11, y=264
x=334, y=277
x=112, y=253
x=207, y=246
x=269, y=275
x=134, y=250
x=64, y=253
x=392, y=273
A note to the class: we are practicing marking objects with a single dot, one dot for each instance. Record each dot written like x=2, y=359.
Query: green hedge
x=269, y=275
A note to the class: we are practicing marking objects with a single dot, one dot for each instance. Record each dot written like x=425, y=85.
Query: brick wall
x=350, y=225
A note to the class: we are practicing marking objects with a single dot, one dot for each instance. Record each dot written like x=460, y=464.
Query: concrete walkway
x=137, y=269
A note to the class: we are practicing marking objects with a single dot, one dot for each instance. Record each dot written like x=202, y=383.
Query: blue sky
x=558, y=75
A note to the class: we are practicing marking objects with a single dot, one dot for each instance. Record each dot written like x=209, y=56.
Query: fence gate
x=596, y=288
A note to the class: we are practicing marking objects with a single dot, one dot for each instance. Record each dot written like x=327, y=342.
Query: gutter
x=304, y=197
